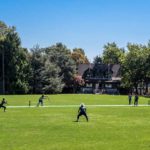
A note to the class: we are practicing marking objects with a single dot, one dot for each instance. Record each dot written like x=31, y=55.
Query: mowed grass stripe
x=66, y=106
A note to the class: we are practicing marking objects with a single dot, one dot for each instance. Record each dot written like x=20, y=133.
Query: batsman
x=41, y=99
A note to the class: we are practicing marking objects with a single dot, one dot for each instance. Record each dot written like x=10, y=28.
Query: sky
x=86, y=24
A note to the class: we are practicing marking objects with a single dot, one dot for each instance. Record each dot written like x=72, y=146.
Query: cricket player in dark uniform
x=82, y=111
x=40, y=102
x=130, y=98
x=136, y=99
x=2, y=104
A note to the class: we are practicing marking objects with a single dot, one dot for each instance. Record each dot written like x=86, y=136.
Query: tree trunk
x=136, y=88
x=146, y=90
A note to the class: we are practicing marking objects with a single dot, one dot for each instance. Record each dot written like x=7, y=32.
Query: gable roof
x=83, y=67
x=114, y=68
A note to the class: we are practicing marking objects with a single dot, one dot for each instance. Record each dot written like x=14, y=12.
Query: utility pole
x=3, y=71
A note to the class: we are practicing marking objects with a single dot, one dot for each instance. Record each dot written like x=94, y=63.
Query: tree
x=78, y=82
x=51, y=81
x=3, y=32
x=15, y=63
x=112, y=54
x=146, y=65
x=78, y=55
x=98, y=60
x=52, y=69
x=37, y=66
x=133, y=67
x=61, y=56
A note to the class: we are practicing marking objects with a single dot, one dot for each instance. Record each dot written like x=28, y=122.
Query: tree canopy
x=78, y=55
x=112, y=54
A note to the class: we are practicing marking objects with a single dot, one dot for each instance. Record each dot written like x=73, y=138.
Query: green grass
x=109, y=128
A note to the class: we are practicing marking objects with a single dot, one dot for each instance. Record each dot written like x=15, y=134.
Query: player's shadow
x=75, y=121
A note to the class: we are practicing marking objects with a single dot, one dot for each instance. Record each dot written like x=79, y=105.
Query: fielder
x=2, y=104
x=82, y=111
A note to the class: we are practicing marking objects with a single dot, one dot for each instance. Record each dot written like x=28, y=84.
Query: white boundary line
x=66, y=106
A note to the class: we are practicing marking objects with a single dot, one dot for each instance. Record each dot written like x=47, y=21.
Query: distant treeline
x=53, y=69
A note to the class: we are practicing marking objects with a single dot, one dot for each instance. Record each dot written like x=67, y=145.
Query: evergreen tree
x=16, y=63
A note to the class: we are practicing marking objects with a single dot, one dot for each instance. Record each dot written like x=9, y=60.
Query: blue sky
x=87, y=24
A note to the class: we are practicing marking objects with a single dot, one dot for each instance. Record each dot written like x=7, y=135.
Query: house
x=100, y=78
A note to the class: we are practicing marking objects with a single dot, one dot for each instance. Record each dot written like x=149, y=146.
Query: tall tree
x=15, y=63
x=61, y=56
x=51, y=80
x=133, y=68
x=146, y=65
x=37, y=65
x=45, y=72
x=3, y=32
x=112, y=54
